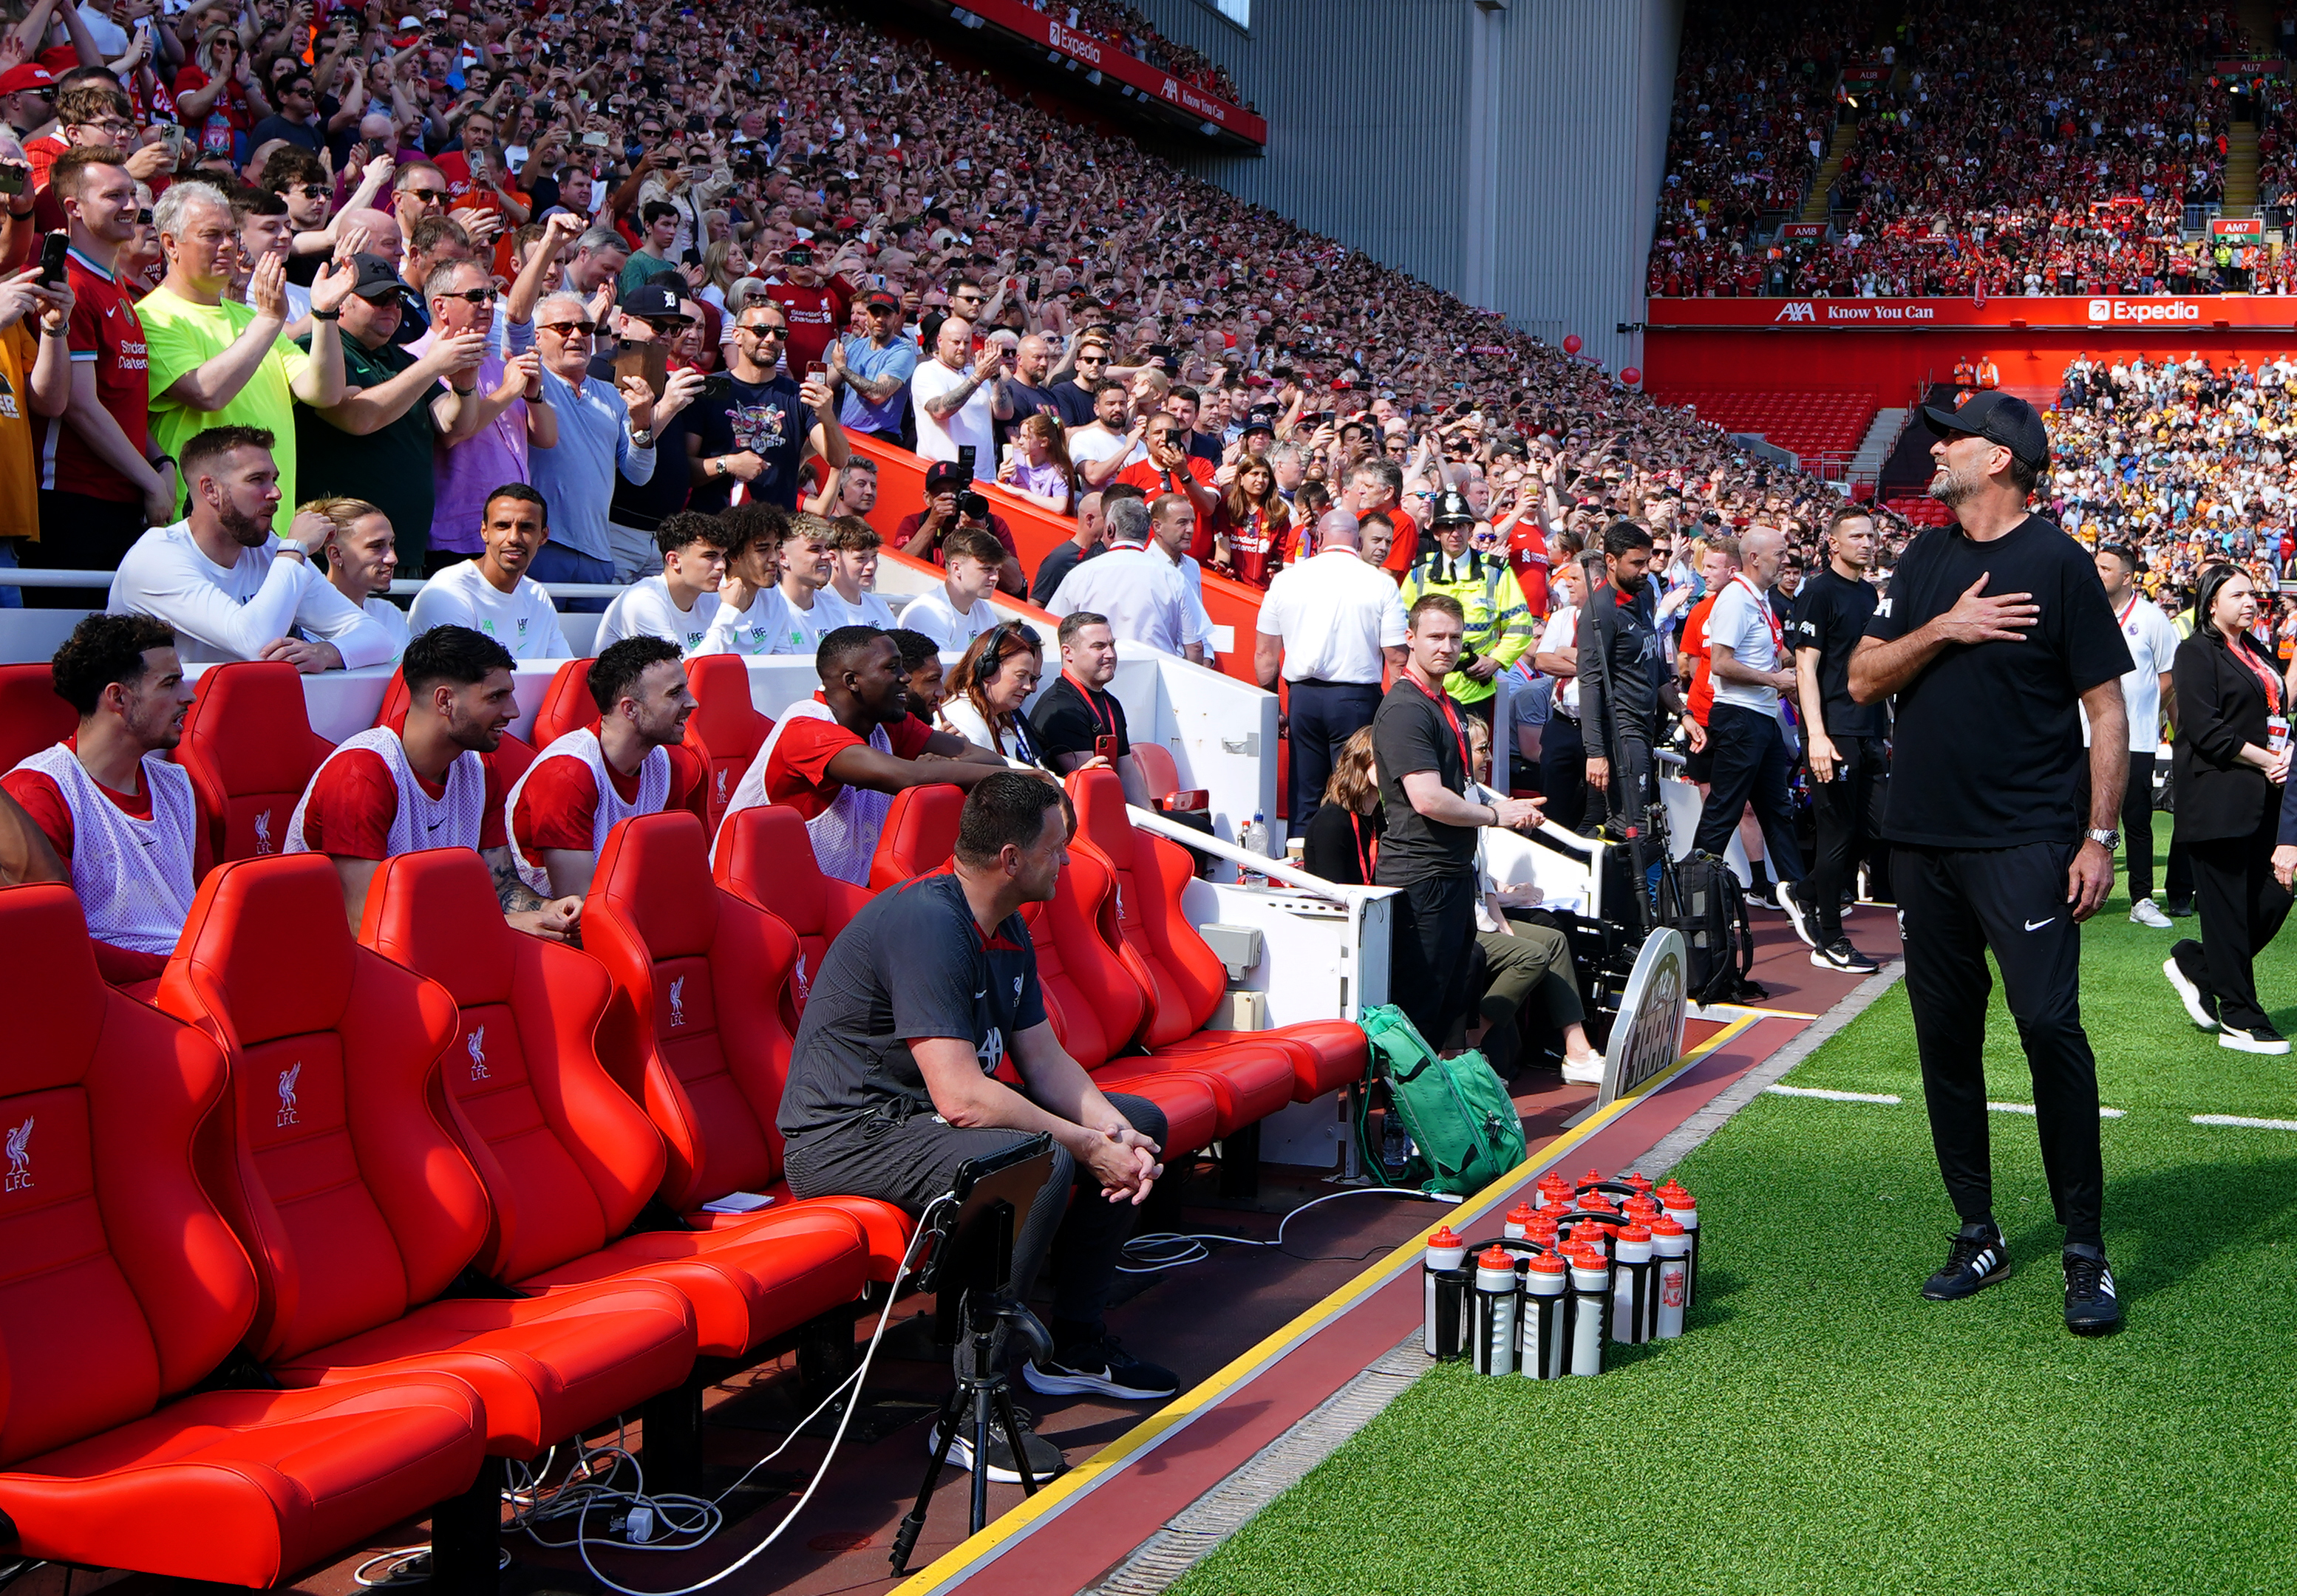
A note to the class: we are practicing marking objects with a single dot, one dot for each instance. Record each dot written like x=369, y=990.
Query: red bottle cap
x=1664, y=1226
x=1640, y=1207
x=1591, y=1176
x=1547, y=1263
x=1637, y=1233
x=1638, y=1179
x=1520, y=1215
x=1595, y=1202
x=1542, y=1228
x=1495, y=1257
x=1444, y=1238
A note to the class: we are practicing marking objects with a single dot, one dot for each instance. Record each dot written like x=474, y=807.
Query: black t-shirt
x=1027, y=401
x=1061, y=559
x=1068, y=722
x=1071, y=404
x=641, y=505
x=912, y=965
x=1411, y=733
x=1338, y=843
x=1831, y=615
x=769, y=418
x=1986, y=748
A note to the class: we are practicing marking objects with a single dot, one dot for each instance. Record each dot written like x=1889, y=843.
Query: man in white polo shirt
x=1142, y=592
x=230, y=587
x=591, y=779
x=2153, y=644
x=492, y=593
x=1331, y=627
x=1748, y=656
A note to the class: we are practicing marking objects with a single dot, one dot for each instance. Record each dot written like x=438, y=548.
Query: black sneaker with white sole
x=1045, y=1458
x=1804, y=916
x=1839, y=955
x=1977, y=1259
x=2259, y=1038
x=2093, y=1306
x=1102, y=1369
x=2188, y=973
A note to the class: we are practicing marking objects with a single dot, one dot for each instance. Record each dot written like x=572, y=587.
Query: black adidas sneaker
x=1977, y=1259
x=2093, y=1306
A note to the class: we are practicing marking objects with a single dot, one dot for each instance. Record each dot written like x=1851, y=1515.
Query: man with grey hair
x=598, y=258
x=1378, y=484
x=1331, y=627
x=1750, y=664
x=1140, y=591
x=215, y=361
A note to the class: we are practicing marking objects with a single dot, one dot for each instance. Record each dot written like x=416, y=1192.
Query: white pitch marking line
x=2254, y=1125
x=1834, y=1096
x=2028, y=1108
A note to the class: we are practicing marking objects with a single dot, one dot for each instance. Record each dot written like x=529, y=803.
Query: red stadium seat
x=566, y=704
x=765, y=858
x=357, y=1203
x=569, y=1161
x=1144, y=921
x=726, y=732
x=122, y=1288
x=695, y=1031
x=249, y=747
x=31, y=716
x=920, y=835
x=1157, y=769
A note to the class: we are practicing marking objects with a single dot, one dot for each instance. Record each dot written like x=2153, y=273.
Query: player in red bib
x=590, y=780
x=114, y=808
x=838, y=759
x=389, y=791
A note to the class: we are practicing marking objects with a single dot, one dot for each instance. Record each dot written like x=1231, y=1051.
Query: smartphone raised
x=52, y=250
x=1106, y=745
x=647, y=360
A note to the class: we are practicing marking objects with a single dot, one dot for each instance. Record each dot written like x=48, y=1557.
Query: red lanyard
x=2265, y=676
x=1091, y=701
x=2127, y=610
x=1367, y=848
x=1443, y=700
x=1778, y=632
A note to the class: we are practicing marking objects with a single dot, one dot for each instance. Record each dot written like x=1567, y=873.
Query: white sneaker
x=2145, y=912
x=1584, y=1072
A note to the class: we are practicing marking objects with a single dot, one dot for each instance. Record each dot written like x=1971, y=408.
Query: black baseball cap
x=653, y=301
x=378, y=280
x=946, y=476
x=1998, y=417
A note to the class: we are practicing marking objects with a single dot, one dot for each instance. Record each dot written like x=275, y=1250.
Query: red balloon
x=1630, y=375
x=1571, y=343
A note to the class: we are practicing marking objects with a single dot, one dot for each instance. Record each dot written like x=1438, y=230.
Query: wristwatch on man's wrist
x=2107, y=840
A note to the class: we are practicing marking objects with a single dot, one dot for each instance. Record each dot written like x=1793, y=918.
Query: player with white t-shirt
x=121, y=815
x=753, y=618
x=958, y=611
x=492, y=593
x=1751, y=665
x=588, y=782
x=427, y=783
x=851, y=599
x=230, y=587
x=678, y=603
x=2152, y=643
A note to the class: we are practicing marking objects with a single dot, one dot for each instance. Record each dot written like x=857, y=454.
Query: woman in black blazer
x=2232, y=766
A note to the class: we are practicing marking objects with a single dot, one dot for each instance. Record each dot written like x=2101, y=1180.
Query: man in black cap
x=376, y=443
x=1498, y=622
x=1995, y=630
x=875, y=370
x=952, y=504
x=651, y=313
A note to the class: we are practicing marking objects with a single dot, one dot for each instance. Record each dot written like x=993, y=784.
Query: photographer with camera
x=817, y=301
x=951, y=507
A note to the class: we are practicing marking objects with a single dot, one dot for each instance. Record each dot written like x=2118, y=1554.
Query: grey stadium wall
x=1509, y=151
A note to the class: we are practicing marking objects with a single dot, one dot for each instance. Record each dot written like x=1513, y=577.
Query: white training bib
x=654, y=791
x=134, y=877
x=845, y=835
x=450, y=820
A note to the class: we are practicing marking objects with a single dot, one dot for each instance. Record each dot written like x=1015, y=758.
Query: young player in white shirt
x=362, y=557
x=753, y=619
x=851, y=599
x=958, y=611
x=678, y=603
x=492, y=593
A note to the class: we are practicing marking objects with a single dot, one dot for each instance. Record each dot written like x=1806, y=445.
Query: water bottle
x=1255, y=841
x=1584, y=1308
x=1671, y=1261
x=1631, y=1287
x=1445, y=1252
x=1683, y=1209
x=1539, y=1335
x=1495, y=1311
x=1518, y=1223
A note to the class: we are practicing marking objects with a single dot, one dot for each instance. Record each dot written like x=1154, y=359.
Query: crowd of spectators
x=2053, y=153
x=1129, y=31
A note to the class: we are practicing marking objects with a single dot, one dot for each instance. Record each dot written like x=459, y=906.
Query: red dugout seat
x=919, y=836
x=1145, y=921
x=567, y=1158
x=696, y=1033
x=765, y=859
x=566, y=704
x=726, y=732
x=249, y=747
x=359, y=1208
x=31, y=716
x=121, y=1289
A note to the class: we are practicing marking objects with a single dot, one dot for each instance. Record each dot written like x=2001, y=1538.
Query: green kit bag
x=1464, y=1128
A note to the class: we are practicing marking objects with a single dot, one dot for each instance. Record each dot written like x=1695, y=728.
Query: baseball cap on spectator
x=1998, y=417
x=1259, y=422
x=946, y=476
x=379, y=281
x=891, y=301
x=653, y=301
x=24, y=79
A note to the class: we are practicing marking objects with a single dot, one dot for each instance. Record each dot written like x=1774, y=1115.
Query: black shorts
x=1699, y=765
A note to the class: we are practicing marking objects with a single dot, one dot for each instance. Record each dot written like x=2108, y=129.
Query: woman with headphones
x=2232, y=771
x=989, y=687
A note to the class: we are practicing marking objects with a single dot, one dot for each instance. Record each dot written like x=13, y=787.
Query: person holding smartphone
x=1078, y=721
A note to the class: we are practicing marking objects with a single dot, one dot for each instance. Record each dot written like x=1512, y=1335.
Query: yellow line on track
x=964, y=1558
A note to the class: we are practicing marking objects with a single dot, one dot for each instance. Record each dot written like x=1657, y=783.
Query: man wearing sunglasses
x=875, y=371
x=749, y=442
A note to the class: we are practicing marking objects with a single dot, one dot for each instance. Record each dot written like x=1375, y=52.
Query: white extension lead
x=677, y=1522
x=1195, y=1249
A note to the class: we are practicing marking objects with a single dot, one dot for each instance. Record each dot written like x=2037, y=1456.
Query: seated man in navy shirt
x=893, y=1084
